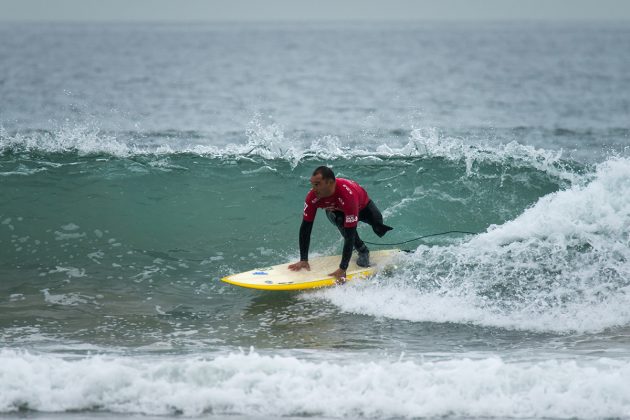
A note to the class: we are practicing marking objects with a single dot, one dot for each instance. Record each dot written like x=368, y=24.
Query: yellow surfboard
x=279, y=277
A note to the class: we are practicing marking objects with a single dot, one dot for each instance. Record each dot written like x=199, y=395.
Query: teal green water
x=190, y=208
x=94, y=243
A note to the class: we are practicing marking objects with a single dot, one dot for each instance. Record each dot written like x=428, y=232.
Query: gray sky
x=300, y=10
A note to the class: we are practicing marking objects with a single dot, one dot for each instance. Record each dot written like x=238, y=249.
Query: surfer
x=346, y=203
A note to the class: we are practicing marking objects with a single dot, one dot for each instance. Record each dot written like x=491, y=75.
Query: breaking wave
x=563, y=265
x=266, y=385
x=269, y=142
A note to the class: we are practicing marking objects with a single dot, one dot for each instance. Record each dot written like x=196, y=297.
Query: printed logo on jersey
x=305, y=207
x=351, y=219
x=348, y=189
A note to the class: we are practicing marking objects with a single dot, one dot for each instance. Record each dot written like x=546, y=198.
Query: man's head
x=323, y=182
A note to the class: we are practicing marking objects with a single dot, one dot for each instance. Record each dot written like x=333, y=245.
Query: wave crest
x=269, y=141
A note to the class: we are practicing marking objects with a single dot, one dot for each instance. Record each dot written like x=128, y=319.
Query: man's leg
x=373, y=217
x=337, y=218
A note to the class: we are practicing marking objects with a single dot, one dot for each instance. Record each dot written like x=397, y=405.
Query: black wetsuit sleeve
x=305, y=239
x=348, y=243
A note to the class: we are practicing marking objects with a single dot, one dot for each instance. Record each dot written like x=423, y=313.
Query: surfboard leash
x=424, y=236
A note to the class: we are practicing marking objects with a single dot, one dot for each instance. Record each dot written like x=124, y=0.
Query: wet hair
x=325, y=172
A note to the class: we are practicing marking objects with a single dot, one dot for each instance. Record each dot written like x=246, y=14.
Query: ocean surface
x=141, y=163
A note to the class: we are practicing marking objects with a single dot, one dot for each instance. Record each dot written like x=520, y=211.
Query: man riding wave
x=346, y=203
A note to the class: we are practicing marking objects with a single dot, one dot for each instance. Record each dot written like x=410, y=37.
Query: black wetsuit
x=370, y=215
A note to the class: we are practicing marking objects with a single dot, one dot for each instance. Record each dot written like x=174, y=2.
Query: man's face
x=322, y=187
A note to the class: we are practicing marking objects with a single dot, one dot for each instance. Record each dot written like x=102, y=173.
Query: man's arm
x=348, y=244
x=305, y=241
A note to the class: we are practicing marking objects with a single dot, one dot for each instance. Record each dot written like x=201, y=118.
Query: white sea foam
x=67, y=299
x=23, y=170
x=81, y=138
x=70, y=271
x=563, y=265
x=253, y=384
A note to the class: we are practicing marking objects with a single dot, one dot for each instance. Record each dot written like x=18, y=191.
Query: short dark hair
x=325, y=172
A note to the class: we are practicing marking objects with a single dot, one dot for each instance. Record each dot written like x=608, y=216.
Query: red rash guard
x=349, y=198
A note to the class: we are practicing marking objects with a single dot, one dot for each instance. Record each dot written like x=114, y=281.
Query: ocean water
x=139, y=164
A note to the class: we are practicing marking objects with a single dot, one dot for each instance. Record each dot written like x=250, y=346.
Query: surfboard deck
x=279, y=277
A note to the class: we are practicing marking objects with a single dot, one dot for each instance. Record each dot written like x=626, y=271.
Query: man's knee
x=372, y=216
